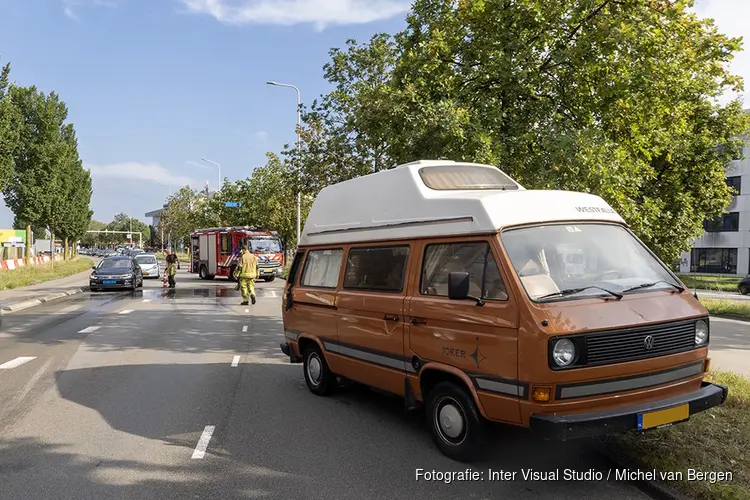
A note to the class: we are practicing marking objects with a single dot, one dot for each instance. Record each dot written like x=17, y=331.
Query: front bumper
x=117, y=284
x=579, y=425
x=265, y=272
x=289, y=350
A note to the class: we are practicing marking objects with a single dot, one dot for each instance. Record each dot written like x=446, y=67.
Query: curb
x=652, y=488
x=29, y=303
x=736, y=317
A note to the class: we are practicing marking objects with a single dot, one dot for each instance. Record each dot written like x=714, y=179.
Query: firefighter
x=247, y=272
x=172, y=261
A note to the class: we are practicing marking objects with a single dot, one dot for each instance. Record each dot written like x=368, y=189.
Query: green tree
x=610, y=97
x=124, y=222
x=9, y=131
x=92, y=239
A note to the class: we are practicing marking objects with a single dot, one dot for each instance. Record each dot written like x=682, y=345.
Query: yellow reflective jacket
x=248, y=265
x=171, y=269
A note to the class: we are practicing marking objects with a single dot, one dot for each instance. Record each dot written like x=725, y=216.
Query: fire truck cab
x=216, y=252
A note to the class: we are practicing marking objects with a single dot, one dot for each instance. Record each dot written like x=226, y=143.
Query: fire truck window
x=226, y=245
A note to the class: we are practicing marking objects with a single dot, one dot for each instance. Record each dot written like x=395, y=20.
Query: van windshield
x=552, y=258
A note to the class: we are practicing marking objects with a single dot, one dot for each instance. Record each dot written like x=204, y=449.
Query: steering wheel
x=611, y=271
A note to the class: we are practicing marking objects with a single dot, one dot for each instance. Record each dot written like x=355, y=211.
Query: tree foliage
x=615, y=98
x=41, y=175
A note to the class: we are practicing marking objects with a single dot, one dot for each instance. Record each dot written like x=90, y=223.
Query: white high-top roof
x=398, y=204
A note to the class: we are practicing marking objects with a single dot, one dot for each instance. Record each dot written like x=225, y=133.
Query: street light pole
x=218, y=186
x=299, y=151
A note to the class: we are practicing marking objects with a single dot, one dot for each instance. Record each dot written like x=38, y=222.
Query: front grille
x=269, y=265
x=628, y=345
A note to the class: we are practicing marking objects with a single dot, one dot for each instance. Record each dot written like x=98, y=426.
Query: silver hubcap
x=451, y=421
x=314, y=369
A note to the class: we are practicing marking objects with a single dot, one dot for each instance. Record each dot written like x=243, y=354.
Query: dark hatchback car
x=120, y=271
x=744, y=286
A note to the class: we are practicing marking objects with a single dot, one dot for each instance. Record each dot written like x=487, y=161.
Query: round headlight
x=701, y=332
x=564, y=352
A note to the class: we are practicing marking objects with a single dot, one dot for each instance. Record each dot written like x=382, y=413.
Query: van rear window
x=376, y=268
x=465, y=177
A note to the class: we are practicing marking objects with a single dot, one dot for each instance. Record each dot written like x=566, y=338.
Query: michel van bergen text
x=572, y=475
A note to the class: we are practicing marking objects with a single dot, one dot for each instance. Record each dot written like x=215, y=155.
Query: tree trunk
x=65, y=249
x=28, y=245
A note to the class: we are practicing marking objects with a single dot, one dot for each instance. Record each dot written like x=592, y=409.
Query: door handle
x=388, y=317
x=418, y=321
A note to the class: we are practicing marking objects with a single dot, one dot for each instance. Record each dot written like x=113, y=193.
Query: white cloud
x=134, y=171
x=261, y=134
x=321, y=13
x=70, y=6
x=730, y=17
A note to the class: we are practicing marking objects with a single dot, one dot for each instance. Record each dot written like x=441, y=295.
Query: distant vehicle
x=744, y=285
x=116, y=272
x=216, y=252
x=149, y=265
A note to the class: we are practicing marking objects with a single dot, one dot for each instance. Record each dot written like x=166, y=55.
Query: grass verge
x=714, y=441
x=724, y=306
x=717, y=283
x=32, y=275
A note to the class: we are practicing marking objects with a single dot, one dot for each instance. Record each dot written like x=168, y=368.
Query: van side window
x=475, y=258
x=322, y=268
x=376, y=268
x=226, y=244
x=295, y=267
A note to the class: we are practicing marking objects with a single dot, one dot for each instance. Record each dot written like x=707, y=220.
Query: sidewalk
x=30, y=296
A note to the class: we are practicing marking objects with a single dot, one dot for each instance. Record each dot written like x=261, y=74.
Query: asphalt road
x=113, y=395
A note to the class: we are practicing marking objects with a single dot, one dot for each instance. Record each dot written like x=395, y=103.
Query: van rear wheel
x=455, y=423
x=318, y=376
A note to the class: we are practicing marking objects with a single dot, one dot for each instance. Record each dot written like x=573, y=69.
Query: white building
x=725, y=246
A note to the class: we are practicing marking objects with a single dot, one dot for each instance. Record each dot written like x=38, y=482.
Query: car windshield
x=146, y=259
x=115, y=263
x=582, y=259
x=265, y=246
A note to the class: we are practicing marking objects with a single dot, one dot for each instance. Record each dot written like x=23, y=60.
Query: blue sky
x=155, y=85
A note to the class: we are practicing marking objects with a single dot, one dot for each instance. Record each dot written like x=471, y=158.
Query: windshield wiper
x=652, y=283
x=572, y=291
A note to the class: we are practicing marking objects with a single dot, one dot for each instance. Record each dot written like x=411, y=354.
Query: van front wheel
x=455, y=422
x=318, y=376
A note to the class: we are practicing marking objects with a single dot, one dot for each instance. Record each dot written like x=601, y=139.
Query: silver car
x=149, y=265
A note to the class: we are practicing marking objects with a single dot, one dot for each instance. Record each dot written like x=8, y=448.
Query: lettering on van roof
x=605, y=210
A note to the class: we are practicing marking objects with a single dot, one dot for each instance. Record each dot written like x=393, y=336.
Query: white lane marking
x=126, y=311
x=200, y=449
x=89, y=329
x=14, y=363
x=146, y=300
x=247, y=310
x=236, y=361
x=244, y=328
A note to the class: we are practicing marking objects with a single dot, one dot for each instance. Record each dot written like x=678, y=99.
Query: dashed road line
x=244, y=328
x=89, y=329
x=146, y=300
x=126, y=311
x=69, y=309
x=247, y=310
x=235, y=361
x=200, y=449
x=14, y=363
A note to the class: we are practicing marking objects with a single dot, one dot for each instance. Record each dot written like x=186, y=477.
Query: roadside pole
x=28, y=245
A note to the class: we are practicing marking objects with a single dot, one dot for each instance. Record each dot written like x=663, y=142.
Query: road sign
x=129, y=236
x=233, y=204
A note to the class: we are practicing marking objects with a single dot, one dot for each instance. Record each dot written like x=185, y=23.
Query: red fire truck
x=216, y=251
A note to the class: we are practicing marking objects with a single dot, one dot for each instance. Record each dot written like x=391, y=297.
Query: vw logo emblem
x=648, y=342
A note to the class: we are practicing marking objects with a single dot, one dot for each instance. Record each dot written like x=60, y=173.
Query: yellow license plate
x=663, y=417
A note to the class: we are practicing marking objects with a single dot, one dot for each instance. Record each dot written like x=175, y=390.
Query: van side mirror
x=458, y=287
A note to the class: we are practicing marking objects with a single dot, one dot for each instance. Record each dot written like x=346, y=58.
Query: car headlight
x=701, y=332
x=564, y=352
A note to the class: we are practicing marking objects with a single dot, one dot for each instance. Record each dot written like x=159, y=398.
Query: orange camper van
x=451, y=285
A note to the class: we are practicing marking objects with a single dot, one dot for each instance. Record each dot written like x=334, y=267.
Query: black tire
x=202, y=272
x=231, y=274
x=453, y=405
x=744, y=291
x=269, y=279
x=318, y=376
